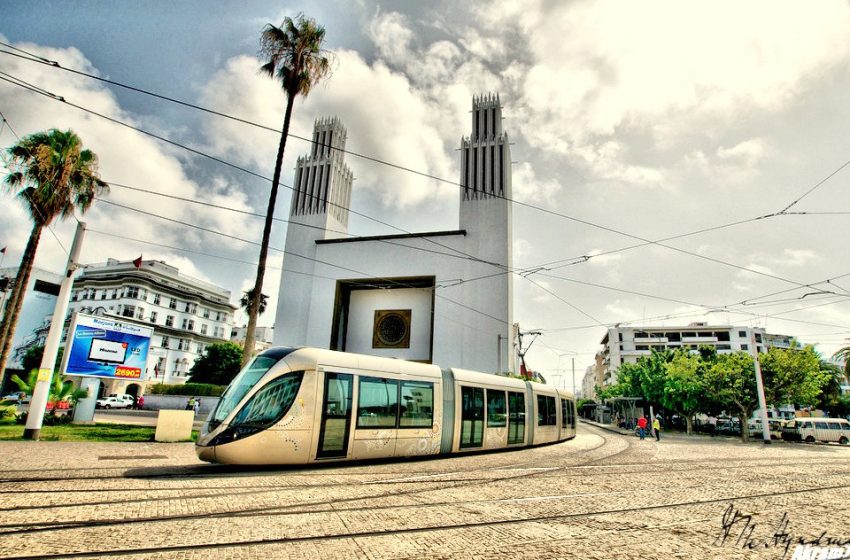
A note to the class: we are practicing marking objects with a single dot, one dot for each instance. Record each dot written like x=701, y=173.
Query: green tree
x=32, y=358
x=684, y=386
x=218, y=365
x=54, y=176
x=793, y=375
x=731, y=380
x=294, y=56
x=831, y=391
x=843, y=354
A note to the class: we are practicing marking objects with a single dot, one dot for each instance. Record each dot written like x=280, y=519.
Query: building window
x=191, y=308
x=742, y=334
x=165, y=342
x=758, y=337
x=172, y=303
x=128, y=311
x=182, y=344
x=156, y=299
x=153, y=317
x=745, y=347
x=169, y=320
x=131, y=292
x=206, y=313
x=722, y=336
x=204, y=328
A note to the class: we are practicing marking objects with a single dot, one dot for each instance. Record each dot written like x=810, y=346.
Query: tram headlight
x=263, y=410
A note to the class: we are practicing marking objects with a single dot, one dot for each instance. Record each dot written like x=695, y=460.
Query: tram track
x=325, y=506
x=425, y=528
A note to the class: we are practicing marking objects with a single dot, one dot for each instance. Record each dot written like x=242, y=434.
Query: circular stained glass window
x=392, y=329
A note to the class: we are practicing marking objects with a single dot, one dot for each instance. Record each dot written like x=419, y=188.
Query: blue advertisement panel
x=101, y=347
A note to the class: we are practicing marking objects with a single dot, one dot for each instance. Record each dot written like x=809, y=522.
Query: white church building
x=442, y=297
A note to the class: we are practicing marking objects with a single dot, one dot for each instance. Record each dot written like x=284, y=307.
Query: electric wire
x=644, y=242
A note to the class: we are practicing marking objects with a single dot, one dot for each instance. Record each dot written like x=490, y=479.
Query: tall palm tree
x=54, y=176
x=294, y=56
x=245, y=301
x=843, y=354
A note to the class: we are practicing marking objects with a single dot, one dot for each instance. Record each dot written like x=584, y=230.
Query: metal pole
x=574, y=377
x=51, y=345
x=498, y=354
x=765, y=427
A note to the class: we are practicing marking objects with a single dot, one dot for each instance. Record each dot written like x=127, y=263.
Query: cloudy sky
x=674, y=161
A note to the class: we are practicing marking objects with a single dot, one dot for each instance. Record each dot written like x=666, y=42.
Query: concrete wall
x=178, y=402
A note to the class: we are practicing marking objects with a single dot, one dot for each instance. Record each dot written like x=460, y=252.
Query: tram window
x=378, y=403
x=546, y=415
x=516, y=417
x=496, y=417
x=271, y=402
x=417, y=408
x=472, y=417
x=568, y=414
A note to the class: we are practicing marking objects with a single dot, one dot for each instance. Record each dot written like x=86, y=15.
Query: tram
x=308, y=405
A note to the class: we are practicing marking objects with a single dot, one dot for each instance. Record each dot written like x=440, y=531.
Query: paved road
x=602, y=495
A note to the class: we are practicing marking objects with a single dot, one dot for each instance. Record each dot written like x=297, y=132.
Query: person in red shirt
x=642, y=427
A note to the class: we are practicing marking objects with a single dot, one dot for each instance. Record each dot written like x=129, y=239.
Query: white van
x=815, y=429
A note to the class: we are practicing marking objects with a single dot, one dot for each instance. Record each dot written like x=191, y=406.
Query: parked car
x=114, y=402
x=729, y=428
x=811, y=430
x=18, y=397
x=775, y=427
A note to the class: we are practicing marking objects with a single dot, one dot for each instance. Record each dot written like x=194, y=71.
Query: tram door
x=336, y=416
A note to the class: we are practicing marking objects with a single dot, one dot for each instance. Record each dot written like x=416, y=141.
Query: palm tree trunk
x=254, y=307
x=13, y=306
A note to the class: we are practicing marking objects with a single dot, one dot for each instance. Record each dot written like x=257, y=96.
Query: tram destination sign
x=101, y=347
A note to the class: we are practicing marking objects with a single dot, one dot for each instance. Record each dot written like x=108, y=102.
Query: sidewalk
x=754, y=438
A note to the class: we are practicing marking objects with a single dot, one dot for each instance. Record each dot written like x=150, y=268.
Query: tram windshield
x=239, y=387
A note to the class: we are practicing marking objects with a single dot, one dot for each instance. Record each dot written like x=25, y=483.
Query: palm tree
x=54, y=176
x=245, y=301
x=295, y=57
x=843, y=354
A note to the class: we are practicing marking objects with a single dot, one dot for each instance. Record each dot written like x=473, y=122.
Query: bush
x=8, y=414
x=189, y=390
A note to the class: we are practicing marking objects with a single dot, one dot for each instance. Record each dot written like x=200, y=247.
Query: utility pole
x=765, y=427
x=35, y=418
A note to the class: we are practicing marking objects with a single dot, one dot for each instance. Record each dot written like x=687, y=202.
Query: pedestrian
x=141, y=402
x=641, y=426
x=190, y=403
x=656, y=425
x=196, y=406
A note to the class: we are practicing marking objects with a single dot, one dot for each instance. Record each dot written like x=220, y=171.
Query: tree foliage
x=688, y=382
x=53, y=176
x=218, y=365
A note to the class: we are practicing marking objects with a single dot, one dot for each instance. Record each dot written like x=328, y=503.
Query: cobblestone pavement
x=602, y=495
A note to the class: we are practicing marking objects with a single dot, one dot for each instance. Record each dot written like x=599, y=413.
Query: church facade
x=442, y=297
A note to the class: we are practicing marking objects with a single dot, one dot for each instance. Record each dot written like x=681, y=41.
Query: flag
x=138, y=262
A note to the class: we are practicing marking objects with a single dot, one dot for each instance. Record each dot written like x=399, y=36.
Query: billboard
x=102, y=347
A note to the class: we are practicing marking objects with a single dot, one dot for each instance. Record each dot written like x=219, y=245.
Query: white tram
x=304, y=405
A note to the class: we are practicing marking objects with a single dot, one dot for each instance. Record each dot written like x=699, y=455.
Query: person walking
x=141, y=402
x=641, y=426
x=196, y=406
x=656, y=425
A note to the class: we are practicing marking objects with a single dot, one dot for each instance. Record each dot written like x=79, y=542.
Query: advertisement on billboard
x=101, y=347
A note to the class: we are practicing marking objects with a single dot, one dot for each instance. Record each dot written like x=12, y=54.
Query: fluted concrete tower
x=319, y=210
x=323, y=180
x=485, y=215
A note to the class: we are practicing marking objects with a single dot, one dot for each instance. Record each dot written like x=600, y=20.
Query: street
x=602, y=495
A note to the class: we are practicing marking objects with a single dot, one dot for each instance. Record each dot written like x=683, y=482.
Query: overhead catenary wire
x=41, y=60
x=527, y=271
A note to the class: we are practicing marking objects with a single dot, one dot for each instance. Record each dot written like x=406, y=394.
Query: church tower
x=323, y=181
x=321, y=197
x=486, y=217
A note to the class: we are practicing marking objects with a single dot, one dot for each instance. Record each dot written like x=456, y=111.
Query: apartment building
x=626, y=344
x=187, y=314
